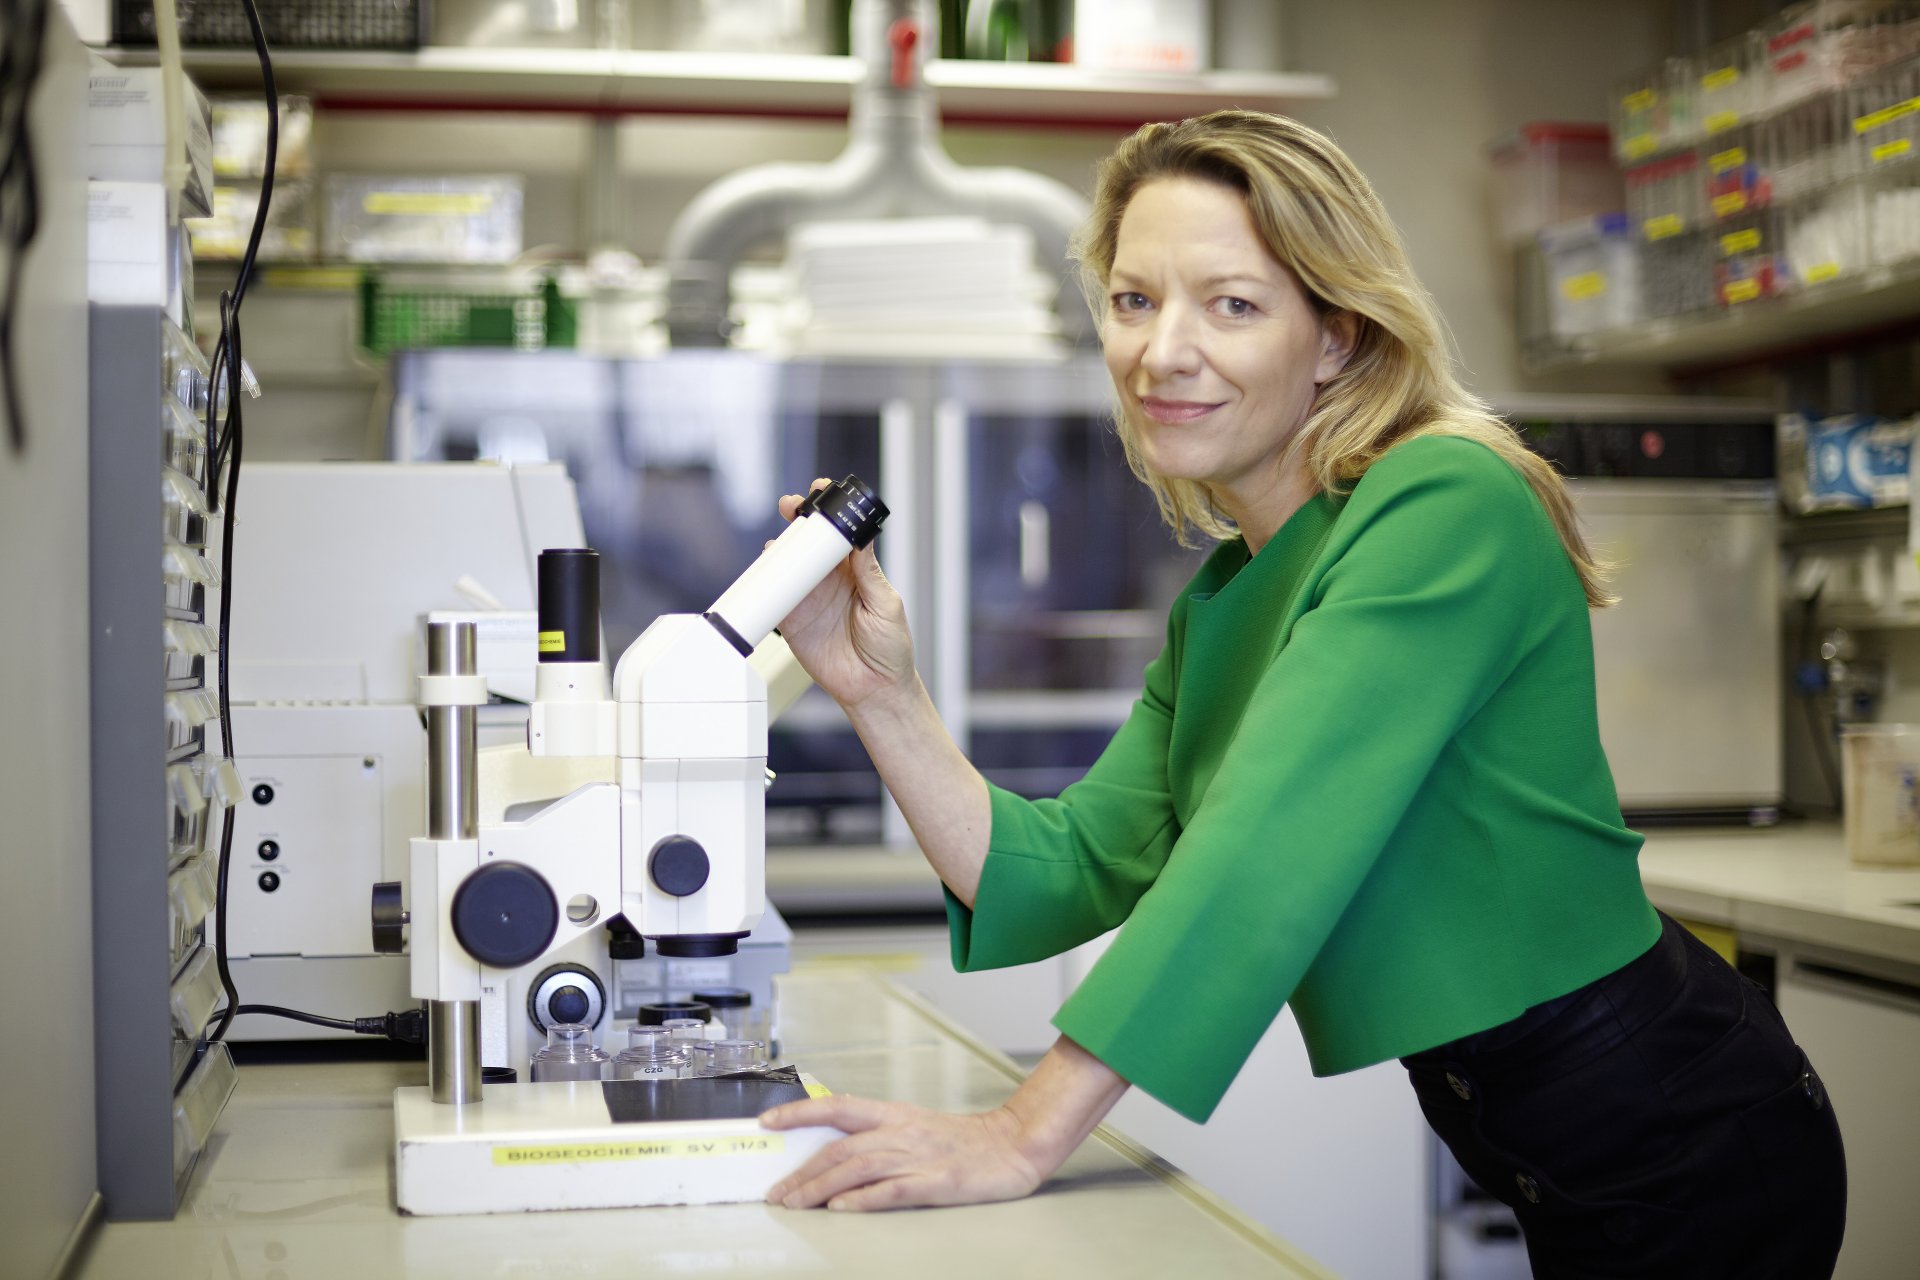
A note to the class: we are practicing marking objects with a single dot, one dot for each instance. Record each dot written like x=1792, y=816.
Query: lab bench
x=297, y=1182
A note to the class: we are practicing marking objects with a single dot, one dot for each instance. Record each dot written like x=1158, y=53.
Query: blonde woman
x=1364, y=777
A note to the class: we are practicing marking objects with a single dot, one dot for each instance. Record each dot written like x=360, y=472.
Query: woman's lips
x=1176, y=411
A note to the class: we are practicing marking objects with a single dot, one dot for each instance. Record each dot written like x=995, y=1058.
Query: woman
x=1364, y=777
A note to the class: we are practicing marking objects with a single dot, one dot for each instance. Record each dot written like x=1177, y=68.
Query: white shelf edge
x=636, y=78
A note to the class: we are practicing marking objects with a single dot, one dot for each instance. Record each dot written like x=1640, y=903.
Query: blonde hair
x=1320, y=218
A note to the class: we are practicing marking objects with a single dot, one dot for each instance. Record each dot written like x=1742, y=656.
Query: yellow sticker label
x=1889, y=150
x=1663, y=225
x=1721, y=121
x=1638, y=100
x=1590, y=284
x=553, y=642
x=1724, y=78
x=1732, y=202
x=1885, y=115
x=1742, y=290
x=1820, y=273
x=1638, y=145
x=746, y=1144
x=1731, y=158
x=817, y=1090
x=1739, y=242
x=427, y=202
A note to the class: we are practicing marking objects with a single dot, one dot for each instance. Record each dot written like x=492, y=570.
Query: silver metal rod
x=453, y=1050
x=453, y=800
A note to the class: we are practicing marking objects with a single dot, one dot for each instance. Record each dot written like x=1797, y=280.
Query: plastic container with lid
x=724, y=1057
x=734, y=1010
x=652, y=1053
x=1546, y=174
x=570, y=1054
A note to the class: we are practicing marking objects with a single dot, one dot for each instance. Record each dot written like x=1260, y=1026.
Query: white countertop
x=1791, y=883
x=297, y=1184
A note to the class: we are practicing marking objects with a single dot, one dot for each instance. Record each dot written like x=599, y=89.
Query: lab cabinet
x=1034, y=566
x=161, y=786
x=1860, y=1024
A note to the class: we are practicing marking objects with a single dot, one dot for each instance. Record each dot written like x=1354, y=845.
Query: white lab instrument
x=675, y=846
x=338, y=563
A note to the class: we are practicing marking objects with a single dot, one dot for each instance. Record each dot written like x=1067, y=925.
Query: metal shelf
x=640, y=81
x=1879, y=298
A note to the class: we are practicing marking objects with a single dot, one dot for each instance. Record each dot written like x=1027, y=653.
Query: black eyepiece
x=852, y=505
x=570, y=605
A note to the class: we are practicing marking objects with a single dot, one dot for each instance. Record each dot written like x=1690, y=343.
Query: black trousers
x=1658, y=1122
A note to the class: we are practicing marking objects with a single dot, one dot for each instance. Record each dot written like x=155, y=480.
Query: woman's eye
x=1234, y=307
x=1129, y=302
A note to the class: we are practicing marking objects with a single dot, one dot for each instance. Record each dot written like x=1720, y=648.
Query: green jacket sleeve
x=1428, y=592
x=1060, y=872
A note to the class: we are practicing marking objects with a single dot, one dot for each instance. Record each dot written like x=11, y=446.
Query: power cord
x=224, y=450
x=408, y=1026
x=21, y=57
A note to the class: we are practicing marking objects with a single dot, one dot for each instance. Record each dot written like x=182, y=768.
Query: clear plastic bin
x=1592, y=276
x=439, y=219
x=1823, y=236
x=1724, y=83
x=1893, y=214
x=1885, y=110
x=1807, y=147
x=1654, y=112
x=1823, y=45
x=1676, y=274
x=1547, y=174
x=289, y=235
x=1736, y=180
x=198, y=1103
x=1745, y=267
x=1666, y=197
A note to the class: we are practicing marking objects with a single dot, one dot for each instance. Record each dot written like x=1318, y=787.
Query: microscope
x=671, y=852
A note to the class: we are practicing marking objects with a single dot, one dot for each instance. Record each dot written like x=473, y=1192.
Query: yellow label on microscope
x=553, y=642
x=745, y=1144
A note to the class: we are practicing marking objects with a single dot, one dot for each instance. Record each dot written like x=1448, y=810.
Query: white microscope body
x=676, y=844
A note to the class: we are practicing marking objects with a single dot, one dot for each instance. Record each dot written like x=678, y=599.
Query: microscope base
x=555, y=1145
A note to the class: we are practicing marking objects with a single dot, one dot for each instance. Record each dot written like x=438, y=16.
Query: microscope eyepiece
x=853, y=507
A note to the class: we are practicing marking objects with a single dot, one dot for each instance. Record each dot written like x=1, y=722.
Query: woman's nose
x=1171, y=347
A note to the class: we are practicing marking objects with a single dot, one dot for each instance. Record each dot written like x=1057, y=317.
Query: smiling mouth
x=1176, y=411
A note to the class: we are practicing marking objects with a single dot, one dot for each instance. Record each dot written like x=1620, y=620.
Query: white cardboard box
x=128, y=133
x=127, y=244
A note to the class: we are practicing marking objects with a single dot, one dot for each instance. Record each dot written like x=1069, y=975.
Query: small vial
x=686, y=1029
x=570, y=1054
x=651, y=1054
x=725, y=1057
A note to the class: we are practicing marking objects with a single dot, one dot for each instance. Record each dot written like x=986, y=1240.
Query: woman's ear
x=1339, y=333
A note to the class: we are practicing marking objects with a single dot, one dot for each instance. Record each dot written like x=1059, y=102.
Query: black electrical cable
x=408, y=1026
x=224, y=449
x=21, y=59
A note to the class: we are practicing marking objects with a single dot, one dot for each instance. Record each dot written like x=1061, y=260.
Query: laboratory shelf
x=1756, y=331
x=641, y=81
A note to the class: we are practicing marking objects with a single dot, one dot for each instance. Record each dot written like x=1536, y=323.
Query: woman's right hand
x=850, y=633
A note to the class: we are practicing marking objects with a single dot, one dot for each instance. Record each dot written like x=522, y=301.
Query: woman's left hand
x=896, y=1155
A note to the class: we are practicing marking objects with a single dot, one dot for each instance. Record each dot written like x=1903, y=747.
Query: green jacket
x=1364, y=778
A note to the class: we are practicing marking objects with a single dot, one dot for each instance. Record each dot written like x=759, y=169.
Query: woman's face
x=1212, y=344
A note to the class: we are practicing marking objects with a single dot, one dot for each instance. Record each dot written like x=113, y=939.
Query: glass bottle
x=570, y=1054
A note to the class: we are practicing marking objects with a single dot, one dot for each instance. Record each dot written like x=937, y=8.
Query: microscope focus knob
x=389, y=916
x=505, y=915
x=678, y=865
x=569, y=1004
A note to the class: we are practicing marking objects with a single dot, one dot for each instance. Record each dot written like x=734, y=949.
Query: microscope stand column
x=453, y=1026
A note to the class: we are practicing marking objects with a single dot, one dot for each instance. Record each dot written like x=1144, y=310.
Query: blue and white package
x=1858, y=460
